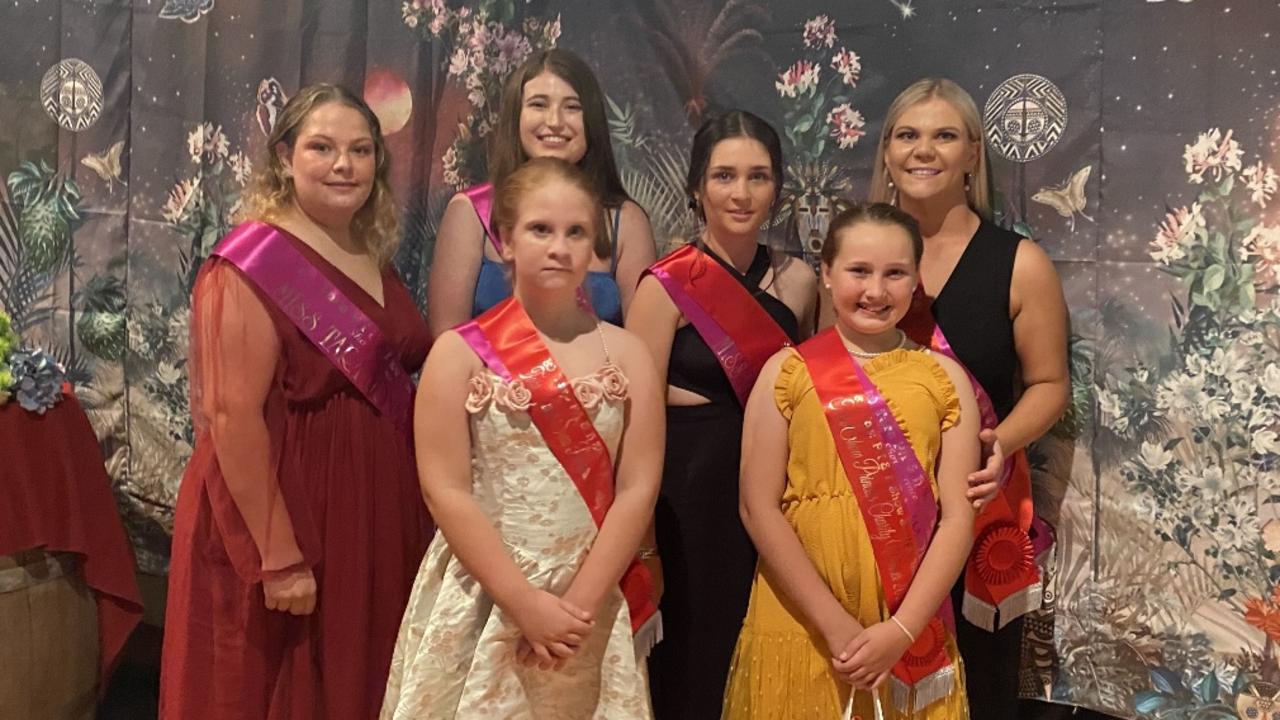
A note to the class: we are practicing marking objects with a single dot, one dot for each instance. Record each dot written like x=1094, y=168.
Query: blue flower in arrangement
x=37, y=380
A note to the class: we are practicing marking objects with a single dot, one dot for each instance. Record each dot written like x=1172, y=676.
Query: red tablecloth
x=55, y=495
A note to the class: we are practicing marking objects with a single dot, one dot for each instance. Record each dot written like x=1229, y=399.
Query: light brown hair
x=377, y=223
x=879, y=213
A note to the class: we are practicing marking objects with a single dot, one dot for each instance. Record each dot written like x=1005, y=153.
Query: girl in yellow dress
x=844, y=622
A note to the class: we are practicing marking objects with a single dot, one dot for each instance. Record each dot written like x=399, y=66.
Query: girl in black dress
x=998, y=300
x=701, y=549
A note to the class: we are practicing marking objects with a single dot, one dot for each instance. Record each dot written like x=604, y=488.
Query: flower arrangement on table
x=31, y=376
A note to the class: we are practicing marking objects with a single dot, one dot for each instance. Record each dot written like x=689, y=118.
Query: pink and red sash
x=1002, y=573
x=481, y=197
x=508, y=343
x=897, y=503
x=330, y=320
x=740, y=333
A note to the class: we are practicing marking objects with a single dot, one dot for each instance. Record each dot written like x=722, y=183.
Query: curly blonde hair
x=979, y=193
x=377, y=223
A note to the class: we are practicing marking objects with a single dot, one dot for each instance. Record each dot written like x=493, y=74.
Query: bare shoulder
x=1032, y=265
x=460, y=213
x=450, y=357
x=651, y=295
x=622, y=342
x=773, y=365
x=632, y=215
x=794, y=273
x=629, y=351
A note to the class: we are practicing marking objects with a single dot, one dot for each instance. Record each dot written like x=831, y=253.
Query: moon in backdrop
x=389, y=97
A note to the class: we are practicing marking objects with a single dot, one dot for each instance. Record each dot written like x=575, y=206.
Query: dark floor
x=136, y=685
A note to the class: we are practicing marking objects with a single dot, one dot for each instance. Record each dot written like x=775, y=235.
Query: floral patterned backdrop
x=1137, y=140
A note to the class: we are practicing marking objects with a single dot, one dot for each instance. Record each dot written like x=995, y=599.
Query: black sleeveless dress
x=973, y=311
x=708, y=560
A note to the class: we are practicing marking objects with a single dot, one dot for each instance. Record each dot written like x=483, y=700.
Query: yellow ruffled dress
x=781, y=668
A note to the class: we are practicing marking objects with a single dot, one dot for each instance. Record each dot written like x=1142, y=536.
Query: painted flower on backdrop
x=799, y=79
x=1113, y=411
x=1264, y=614
x=1177, y=233
x=1212, y=153
x=207, y=143
x=181, y=197
x=846, y=125
x=1155, y=456
x=241, y=167
x=1271, y=381
x=848, y=65
x=1262, y=247
x=819, y=32
x=1261, y=181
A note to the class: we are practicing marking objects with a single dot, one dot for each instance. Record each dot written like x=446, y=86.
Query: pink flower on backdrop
x=849, y=65
x=1212, y=153
x=1176, y=234
x=798, y=79
x=846, y=125
x=1261, y=182
x=819, y=31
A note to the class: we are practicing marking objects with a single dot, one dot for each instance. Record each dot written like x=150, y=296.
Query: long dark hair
x=732, y=124
x=718, y=128
x=506, y=153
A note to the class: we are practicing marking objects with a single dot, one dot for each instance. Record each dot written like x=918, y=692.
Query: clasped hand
x=864, y=658
x=292, y=591
x=552, y=629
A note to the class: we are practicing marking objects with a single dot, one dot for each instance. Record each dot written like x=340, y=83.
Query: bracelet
x=647, y=553
x=904, y=629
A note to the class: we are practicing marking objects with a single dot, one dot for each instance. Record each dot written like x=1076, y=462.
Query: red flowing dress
x=325, y=481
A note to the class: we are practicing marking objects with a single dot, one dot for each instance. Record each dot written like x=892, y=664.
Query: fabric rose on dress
x=588, y=392
x=518, y=396
x=613, y=382
x=480, y=393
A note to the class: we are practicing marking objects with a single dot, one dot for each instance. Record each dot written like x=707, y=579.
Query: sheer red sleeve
x=237, y=404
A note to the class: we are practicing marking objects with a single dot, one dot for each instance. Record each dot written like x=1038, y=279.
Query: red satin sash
x=896, y=499
x=508, y=343
x=740, y=333
x=1002, y=573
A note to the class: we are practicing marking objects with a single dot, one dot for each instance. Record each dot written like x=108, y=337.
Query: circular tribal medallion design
x=1024, y=117
x=71, y=93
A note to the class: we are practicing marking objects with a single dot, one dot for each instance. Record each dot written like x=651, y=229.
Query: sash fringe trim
x=1020, y=603
x=909, y=699
x=983, y=614
x=649, y=635
x=979, y=612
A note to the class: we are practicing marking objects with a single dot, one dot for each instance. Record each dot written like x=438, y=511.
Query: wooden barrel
x=48, y=638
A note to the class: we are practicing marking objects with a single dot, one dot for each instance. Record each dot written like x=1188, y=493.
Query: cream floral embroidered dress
x=456, y=654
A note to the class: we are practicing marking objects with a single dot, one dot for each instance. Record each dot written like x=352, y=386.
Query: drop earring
x=966, y=182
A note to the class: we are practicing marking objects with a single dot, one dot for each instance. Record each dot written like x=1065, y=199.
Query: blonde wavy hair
x=979, y=192
x=377, y=223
